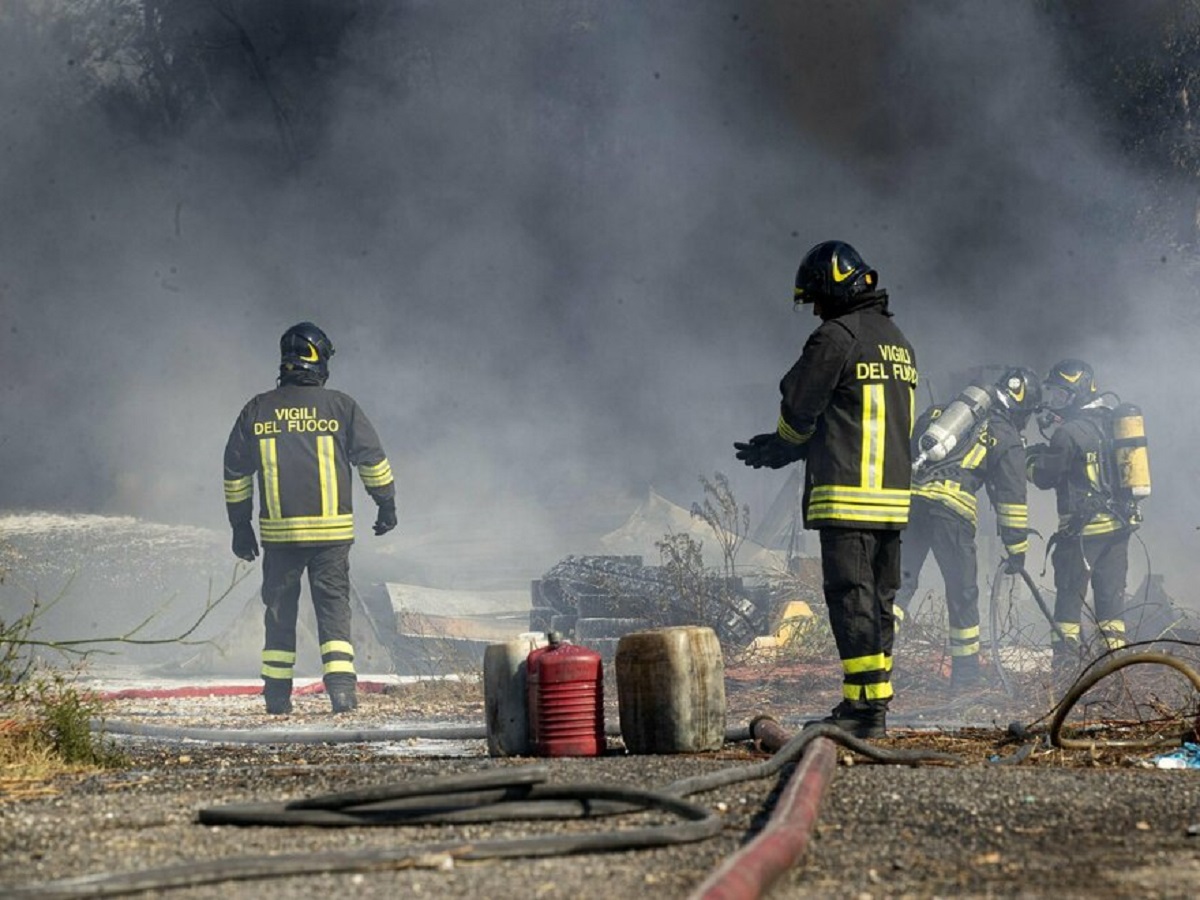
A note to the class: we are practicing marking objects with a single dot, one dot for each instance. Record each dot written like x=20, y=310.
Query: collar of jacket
x=874, y=300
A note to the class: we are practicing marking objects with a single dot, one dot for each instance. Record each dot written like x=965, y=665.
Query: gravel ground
x=1058, y=824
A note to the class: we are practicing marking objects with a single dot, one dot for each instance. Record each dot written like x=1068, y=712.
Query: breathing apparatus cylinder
x=957, y=421
x=1131, y=453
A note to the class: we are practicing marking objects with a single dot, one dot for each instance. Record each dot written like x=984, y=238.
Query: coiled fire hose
x=489, y=796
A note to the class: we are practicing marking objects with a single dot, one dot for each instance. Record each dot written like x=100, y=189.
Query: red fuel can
x=566, y=699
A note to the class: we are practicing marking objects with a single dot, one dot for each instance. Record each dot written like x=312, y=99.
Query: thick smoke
x=553, y=243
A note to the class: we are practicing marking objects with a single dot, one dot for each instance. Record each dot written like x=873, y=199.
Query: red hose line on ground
x=223, y=690
x=750, y=872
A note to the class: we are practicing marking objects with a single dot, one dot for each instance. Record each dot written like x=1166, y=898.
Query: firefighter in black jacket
x=944, y=512
x=847, y=410
x=1091, y=544
x=300, y=440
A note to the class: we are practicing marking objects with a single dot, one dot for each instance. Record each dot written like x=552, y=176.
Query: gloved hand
x=1015, y=564
x=769, y=450
x=245, y=544
x=385, y=521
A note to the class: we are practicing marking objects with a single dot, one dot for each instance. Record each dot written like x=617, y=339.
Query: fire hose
x=489, y=796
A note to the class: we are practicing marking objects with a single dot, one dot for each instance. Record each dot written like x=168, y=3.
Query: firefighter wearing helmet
x=846, y=410
x=299, y=442
x=990, y=454
x=1091, y=544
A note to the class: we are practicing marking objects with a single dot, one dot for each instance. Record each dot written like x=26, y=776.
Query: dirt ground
x=1015, y=818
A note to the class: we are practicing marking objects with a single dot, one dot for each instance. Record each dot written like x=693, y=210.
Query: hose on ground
x=1097, y=673
x=483, y=797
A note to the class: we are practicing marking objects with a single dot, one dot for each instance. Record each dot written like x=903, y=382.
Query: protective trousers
x=329, y=583
x=952, y=540
x=1102, y=561
x=861, y=573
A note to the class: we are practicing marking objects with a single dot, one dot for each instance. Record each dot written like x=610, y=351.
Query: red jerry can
x=566, y=699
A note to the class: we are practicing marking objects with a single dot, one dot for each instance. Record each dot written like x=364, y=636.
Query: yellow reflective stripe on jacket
x=270, y=473
x=832, y=502
x=376, y=475
x=790, y=434
x=1012, y=515
x=239, y=489
x=327, y=472
x=873, y=425
x=950, y=494
x=1101, y=523
x=304, y=529
x=974, y=456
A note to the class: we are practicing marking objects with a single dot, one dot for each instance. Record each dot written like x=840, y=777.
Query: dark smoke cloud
x=553, y=244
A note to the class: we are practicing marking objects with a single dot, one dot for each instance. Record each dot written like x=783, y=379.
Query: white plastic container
x=506, y=707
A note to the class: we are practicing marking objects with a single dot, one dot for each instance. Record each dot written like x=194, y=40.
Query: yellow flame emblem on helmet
x=1071, y=378
x=838, y=275
x=311, y=355
x=1016, y=387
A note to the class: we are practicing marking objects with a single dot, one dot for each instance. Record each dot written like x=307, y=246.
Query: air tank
x=1131, y=451
x=566, y=699
x=957, y=420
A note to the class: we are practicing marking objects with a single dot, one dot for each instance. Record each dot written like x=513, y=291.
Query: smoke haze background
x=553, y=244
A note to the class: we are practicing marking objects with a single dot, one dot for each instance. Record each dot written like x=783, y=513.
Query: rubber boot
x=279, y=703
x=964, y=673
x=342, y=695
x=858, y=718
x=1065, y=664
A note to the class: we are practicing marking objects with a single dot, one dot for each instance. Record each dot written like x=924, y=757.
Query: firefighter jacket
x=992, y=456
x=300, y=441
x=849, y=401
x=1076, y=467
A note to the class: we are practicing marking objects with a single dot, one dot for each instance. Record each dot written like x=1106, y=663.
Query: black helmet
x=833, y=271
x=1020, y=390
x=305, y=348
x=1070, y=384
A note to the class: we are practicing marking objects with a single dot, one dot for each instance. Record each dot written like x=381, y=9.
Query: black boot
x=342, y=694
x=858, y=718
x=964, y=673
x=278, y=702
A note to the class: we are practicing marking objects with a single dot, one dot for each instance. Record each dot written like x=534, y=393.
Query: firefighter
x=1091, y=545
x=300, y=440
x=943, y=517
x=847, y=411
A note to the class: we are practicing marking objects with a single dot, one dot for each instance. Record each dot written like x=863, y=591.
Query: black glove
x=245, y=544
x=386, y=520
x=769, y=450
x=1015, y=564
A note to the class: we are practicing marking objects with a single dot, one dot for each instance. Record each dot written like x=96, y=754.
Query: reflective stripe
x=377, y=474
x=974, y=456
x=898, y=613
x=297, y=529
x=874, y=417
x=270, y=473
x=950, y=494
x=339, y=667
x=964, y=641
x=239, y=489
x=338, y=647
x=1070, y=631
x=879, y=691
x=279, y=656
x=845, y=503
x=276, y=671
x=1012, y=515
x=327, y=472
x=1020, y=547
x=860, y=664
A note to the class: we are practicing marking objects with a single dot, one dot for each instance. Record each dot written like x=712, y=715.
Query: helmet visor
x=1057, y=397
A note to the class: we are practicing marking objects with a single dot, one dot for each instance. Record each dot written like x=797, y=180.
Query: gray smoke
x=553, y=243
